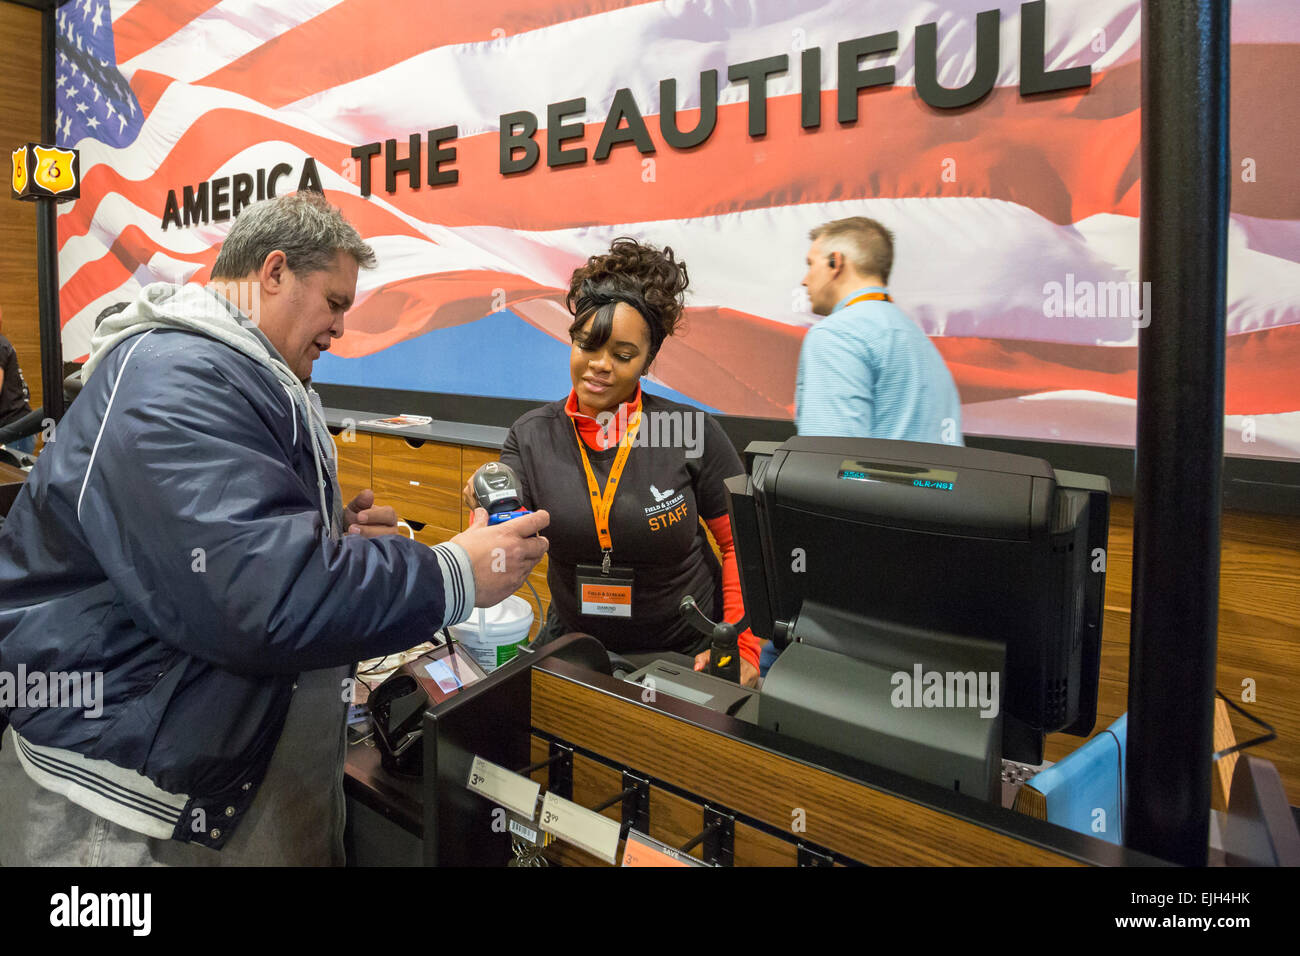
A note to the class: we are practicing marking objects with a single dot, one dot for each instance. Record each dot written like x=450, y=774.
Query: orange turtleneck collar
x=593, y=435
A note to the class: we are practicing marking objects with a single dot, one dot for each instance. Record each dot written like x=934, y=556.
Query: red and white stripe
x=1045, y=187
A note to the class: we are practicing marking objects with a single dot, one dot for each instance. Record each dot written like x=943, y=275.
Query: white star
x=98, y=21
x=85, y=9
x=82, y=107
x=92, y=122
x=108, y=109
x=131, y=103
x=121, y=123
x=67, y=127
x=85, y=80
x=63, y=57
x=63, y=78
x=97, y=94
x=74, y=68
x=71, y=91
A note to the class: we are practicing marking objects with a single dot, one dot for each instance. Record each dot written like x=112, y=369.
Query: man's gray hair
x=305, y=227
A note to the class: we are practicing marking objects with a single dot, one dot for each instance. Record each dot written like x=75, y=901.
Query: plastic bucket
x=493, y=635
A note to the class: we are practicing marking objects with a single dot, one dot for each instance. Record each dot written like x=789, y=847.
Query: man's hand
x=362, y=517
x=748, y=672
x=503, y=554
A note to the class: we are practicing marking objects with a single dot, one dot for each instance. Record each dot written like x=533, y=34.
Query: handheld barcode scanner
x=496, y=488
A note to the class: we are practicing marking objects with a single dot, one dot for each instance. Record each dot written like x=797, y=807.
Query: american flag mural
x=1015, y=217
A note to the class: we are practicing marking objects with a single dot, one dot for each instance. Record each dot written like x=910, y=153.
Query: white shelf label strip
x=512, y=791
x=589, y=831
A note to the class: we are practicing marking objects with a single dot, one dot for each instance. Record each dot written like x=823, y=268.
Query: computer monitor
x=940, y=607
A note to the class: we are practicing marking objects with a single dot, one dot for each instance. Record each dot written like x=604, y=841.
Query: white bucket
x=493, y=635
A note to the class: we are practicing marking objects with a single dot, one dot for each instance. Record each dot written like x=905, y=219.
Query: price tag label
x=641, y=850
x=586, y=830
x=505, y=787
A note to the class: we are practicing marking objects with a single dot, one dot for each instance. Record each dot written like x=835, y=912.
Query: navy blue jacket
x=171, y=537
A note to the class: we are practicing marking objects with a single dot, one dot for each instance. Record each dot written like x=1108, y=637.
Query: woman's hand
x=364, y=518
x=748, y=672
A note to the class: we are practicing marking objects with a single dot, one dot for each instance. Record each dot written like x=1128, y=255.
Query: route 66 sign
x=46, y=172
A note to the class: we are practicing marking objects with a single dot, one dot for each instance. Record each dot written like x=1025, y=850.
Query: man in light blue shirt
x=868, y=370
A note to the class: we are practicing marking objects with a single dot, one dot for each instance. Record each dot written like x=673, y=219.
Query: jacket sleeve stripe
x=90, y=465
x=99, y=795
x=458, y=574
x=293, y=414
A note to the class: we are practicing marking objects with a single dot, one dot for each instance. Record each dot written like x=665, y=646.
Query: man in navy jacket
x=180, y=556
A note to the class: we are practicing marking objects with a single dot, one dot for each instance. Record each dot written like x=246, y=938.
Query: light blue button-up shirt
x=868, y=371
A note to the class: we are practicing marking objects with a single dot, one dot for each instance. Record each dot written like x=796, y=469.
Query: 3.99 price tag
x=512, y=791
x=586, y=830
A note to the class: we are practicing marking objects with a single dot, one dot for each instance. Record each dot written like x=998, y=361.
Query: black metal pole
x=47, y=244
x=1185, y=47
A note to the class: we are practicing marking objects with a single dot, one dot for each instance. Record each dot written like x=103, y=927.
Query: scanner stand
x=832, y=688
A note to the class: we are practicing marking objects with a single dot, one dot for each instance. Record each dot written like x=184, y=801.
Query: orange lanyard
x=870, y=297
x=601, y=505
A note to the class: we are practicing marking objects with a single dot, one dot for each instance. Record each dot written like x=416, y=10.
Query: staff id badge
x=604, y=595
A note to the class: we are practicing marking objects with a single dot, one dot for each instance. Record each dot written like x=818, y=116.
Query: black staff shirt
x=673, y=478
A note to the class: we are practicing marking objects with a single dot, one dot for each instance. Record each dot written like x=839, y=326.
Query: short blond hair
x=866, y=244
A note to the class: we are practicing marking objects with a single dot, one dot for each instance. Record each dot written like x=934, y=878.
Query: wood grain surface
x=20, y=122
x=673, y=819
x=850, y=818
x=354, y=463
x=1259, y=632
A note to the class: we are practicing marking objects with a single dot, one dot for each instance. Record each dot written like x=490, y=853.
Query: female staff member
x=625, y=511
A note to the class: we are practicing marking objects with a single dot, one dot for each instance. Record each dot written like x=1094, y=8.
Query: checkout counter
x=675, y=770
x=680, y=770
x=553, y=759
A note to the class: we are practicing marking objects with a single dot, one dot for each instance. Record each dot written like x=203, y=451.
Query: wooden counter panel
x=20, y=122
x=673, y=820
x=850, y=818
x=1250, y=645
x=1260, y=583
x=420, y=483
x=432, y=534
x=354, y=465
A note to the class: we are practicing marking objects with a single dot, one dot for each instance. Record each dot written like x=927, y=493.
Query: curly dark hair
x=651, y=281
